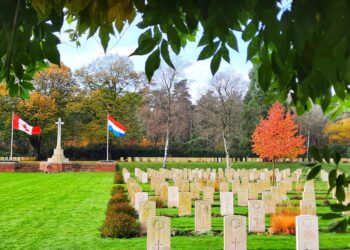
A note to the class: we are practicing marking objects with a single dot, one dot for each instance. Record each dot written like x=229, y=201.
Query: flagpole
x=107, y=137
x=11, y=135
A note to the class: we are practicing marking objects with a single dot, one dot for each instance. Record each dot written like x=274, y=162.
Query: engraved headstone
x=307, y=232
x=208, y=194
x=147, y=209
x=140, y=197
x=158, y=233
x=185, y=203
x=307, y=207
x=226, y=203
x=173, y=197
x=235, y=232
x=256, y=215
x=269, y=202
x=202, y=216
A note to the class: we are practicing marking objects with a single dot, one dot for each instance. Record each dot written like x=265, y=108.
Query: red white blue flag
x=114, y=126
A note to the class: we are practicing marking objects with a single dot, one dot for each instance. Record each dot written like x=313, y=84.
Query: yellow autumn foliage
x=339, y=132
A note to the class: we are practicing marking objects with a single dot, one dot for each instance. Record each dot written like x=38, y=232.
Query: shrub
x=120, y=226
x=283, y=221
x=158, y=200
x=118, y=178
x=118, y=198
x=117, y=190
x=121, y=208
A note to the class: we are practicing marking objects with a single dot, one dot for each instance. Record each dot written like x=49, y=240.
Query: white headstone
x=140, y=197
x=256, y=214
x=202, y=216
x=235, y=232
x=226, y=203
x=307, y=232
x=158, y=233
x=173, y=197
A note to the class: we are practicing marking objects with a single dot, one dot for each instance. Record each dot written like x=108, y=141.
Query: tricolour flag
x=19, y=124
x=117, y=128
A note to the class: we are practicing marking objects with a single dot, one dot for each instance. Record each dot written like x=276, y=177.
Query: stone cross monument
x=58, y=156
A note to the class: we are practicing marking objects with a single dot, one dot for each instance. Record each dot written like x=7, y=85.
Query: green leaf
x=13, y=90
x=315, y=153
x=145, y=47
x=338, y=207
x=326, y=154
x=232, y=41
x=340, y=193
x=165, y=53
x=330, y=216
x=249, y=31
x=208, y=51
x=215, y=63
x=337, y=158
x=27, y=85
x=152, y=64
x=253, y=48
x=264, y=76
x=332, y=177
x=24, y=93
x=18, y=68
x=51, y=53
x=225, y=53
x=313, y=172
x=174, y=39
x=104, y=36
x=338, y=226
x=145, y=35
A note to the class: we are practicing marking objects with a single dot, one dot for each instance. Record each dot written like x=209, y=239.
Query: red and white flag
x=19, y=124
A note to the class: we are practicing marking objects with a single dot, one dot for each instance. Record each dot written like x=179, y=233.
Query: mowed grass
x=66, y=210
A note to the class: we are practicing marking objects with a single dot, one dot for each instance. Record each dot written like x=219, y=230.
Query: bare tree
x=229, y=89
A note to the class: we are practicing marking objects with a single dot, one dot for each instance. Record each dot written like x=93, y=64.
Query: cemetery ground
x=66, y=210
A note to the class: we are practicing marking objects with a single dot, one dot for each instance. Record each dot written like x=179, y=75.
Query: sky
x=196, y=72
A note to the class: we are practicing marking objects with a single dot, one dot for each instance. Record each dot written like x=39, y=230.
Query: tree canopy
x=301, y=47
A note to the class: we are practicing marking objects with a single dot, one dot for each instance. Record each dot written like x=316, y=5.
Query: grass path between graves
x=66, y=210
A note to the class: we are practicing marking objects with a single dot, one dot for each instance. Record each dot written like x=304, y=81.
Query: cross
x=59, y=129
x=158, y=245
x=235, y=243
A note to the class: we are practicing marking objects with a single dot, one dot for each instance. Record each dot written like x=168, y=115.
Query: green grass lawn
x=66, y=210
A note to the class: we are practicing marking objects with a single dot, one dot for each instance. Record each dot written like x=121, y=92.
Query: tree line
x=159, y=116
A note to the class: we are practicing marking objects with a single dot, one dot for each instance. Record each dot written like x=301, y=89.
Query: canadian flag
x=19, y=124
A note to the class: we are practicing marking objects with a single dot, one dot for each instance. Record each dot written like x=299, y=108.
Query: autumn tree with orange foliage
x=339, y=132
x=277, y=136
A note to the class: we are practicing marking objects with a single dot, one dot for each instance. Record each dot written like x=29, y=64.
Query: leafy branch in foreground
x=336, y=180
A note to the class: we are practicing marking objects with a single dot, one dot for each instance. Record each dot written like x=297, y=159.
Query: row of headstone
x=235, y=230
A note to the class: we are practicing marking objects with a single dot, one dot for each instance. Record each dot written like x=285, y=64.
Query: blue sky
x=197, y=72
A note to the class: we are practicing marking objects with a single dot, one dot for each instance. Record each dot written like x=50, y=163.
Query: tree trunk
x=273, y=171
x=166, y=144
x=226, y=151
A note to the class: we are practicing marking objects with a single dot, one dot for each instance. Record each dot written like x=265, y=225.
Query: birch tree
x=229, y=89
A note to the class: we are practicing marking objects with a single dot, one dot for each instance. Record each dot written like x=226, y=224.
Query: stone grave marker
x=173, y=197
x=140, y=197
x=224, y=187
x=158, y=233
x=202, y=216
x=226, y=203
x=147, y=209
x=235, y=232
x=242, y=196
x=256, y=215
x=269, y=202
x=195, y=190
x=309, y=195
x=208, y=194
x=164, y=191
x=307, y=207
x=185, y=203
x=307, y=232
